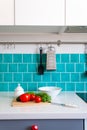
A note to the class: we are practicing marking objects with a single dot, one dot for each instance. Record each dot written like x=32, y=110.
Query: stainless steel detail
x=51, y=58
x=65, y=105
x=59, y=42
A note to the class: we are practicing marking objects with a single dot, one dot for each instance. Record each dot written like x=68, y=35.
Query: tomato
x=34, y=127
x=38, y=99
x=32, y=97
x=25, y=97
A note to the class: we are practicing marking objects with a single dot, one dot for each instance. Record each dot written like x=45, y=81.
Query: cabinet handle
x=34, y=127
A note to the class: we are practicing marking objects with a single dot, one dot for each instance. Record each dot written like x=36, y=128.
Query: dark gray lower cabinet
x=43, y=124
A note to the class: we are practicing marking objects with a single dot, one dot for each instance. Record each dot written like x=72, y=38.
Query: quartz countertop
x=48, y=111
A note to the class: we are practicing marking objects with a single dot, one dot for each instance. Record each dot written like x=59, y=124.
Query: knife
x=64, y=105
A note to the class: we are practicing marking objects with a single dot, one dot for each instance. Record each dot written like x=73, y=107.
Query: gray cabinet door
x=43, y=124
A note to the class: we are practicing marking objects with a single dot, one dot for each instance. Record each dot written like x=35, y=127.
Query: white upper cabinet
x=6, y=12
x=76, y=12
x=39, y=12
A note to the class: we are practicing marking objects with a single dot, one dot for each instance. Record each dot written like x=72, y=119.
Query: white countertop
x=48, y=111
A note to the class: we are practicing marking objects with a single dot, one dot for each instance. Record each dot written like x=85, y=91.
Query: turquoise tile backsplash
x=22, y=68
x=74, y=58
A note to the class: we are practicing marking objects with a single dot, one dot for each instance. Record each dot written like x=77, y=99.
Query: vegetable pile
x=35, y=97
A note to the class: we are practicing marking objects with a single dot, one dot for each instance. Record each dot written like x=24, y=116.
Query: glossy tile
x=22, y=68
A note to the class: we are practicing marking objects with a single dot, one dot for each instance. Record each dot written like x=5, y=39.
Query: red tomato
x=34, y=127
x=25, y=97
x=32, y=97
x=38, y=99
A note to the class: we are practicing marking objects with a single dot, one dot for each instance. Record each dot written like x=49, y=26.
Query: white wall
x=34, y=48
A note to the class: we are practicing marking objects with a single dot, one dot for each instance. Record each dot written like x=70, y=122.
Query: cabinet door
x=6, y=12
x=39, y=12
x=45, y=124
x=76, y=12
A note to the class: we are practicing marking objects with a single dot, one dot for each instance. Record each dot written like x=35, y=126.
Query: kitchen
x=25, y=26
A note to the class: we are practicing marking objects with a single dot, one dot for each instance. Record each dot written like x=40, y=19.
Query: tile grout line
x=32, y=77
x=7, y=67
x=17, y=68
x=65, y=67
x=79, y=57
x=27, y=86
x=31, y=58
x=75, y=87
x=60, y=77
x=8, y=87
x=50, y=77
x=60, y=72
x=70, y=77
x=12, y=78
x=3, y=62
x=27, y=68
x=37, y=86
x=84, y=67
x=69, y=58
x=47, y=72
x=65, y=87
x=84, y=86
x=12, y=58
x=22, y=76
x=75, y=67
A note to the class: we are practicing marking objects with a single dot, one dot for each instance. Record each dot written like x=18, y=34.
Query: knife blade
x=64, y=105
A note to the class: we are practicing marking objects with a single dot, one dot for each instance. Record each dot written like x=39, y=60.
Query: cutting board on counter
x=30, y=103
